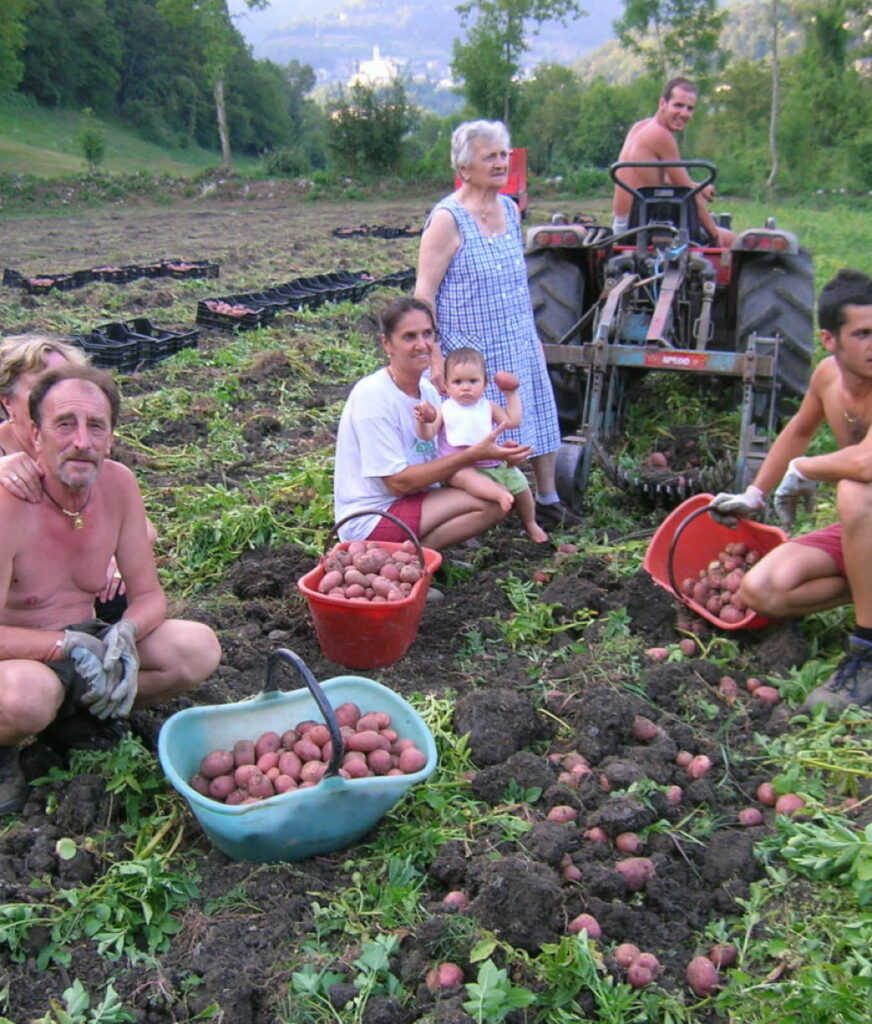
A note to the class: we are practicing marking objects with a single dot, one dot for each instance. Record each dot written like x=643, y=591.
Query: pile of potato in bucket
x=716, y=588
x=367, y=571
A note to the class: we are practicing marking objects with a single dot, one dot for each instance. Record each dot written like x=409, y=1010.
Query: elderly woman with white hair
x=471, y=271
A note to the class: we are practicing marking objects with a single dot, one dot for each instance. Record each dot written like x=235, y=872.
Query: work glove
x=726, y=509
x=73, y=639
x=792, y=490
x=97, y=684
x=121, y=665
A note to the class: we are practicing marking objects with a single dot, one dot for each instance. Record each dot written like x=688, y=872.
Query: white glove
x=73, y=638
x=725, y=508
x=793, y=488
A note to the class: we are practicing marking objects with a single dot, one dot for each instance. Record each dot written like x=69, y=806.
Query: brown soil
x=241, y=953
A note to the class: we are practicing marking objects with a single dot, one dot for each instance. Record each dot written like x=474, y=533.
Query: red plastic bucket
x=360, y=633
x=688, y=539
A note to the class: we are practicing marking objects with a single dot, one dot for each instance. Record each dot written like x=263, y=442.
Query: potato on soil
x=702, y=976
x=586, y=922
x=446, y=975
x=723, y=954
x=626, y=953
x=636, y=871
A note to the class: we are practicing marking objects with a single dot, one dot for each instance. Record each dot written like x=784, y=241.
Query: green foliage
x=367, y=127
x=674, y=36
x=92, y=140
x=492, y=996
x=828, y=848
x=489, y=62
x=77, y=1008
x=12, y=40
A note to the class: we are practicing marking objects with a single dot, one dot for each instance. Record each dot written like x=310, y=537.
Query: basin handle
x=282, y=654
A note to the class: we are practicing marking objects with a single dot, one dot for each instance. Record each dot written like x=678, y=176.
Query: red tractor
x=609, y=309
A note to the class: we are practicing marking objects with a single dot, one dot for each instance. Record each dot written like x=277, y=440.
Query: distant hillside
x=334, y=34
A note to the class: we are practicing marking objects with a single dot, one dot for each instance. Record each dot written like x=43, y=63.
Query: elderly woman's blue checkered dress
x=483, y=302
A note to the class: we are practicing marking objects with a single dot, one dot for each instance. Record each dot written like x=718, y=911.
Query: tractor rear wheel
x=775, y=296
x=557, y=293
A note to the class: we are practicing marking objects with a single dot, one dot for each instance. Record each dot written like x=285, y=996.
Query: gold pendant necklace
x=76, y=516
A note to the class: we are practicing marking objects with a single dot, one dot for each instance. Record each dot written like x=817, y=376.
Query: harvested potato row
x=366, y=571
x=717, y=587
x=298, y=758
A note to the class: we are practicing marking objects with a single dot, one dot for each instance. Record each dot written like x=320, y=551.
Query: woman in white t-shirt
x=382, y=464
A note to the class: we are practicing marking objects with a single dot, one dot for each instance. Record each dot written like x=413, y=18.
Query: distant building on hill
x=378, y=71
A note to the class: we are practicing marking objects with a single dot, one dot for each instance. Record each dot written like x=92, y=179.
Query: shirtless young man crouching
x=829, y=567
x=55, y=659
x=654, y=138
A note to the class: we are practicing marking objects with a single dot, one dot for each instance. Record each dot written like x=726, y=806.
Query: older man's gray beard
x=78, y=483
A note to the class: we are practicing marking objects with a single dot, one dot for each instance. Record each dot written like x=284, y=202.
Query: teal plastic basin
x=330, y=816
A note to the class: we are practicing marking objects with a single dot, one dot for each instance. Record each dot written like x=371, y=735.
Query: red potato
x=457, y=899
x=699, y=766
x=506, y=381
x=370, y=722
x=639, y=976
x=657, y=654
x=444, y=976
x=766, y=794
x=731, y=614
x=568, y=779
x=749, y=816
x=200, y=784
x=260, y=786
x=347, y=714
x=673, y=794
x=644, y=730
x=648, y=961
x=366, y=741
x=356, y=769
x=411, y=760
x=313, y=771
x=789, y=804
x=329, y=581
x=688, y=647
x=238, y=796
x=596, y=835
x=243, y=773
x=289, y=764
x=562, y=813
x=222, y=786
x=284, y=784
x=306, y=750
x=683, y=758
x=217, y=762
x=380, y=761
x=319, y=734
x=629, y=842
x=723, y=954
x=585, y=922
x=767, y=694
x=289, y=738
x=752, y=683
x=626, y=954
x=571, y=872
x=267, y=743
x=272, y=774
x=637, y=871
x=244, y=753
x=702, y=976
x=728, y=687
x=267, y=761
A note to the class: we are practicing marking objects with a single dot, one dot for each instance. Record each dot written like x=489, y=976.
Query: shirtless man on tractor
x=828, y=567
x=654, y=139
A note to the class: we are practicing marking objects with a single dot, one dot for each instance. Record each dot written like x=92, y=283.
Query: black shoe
x=82, y=731
x=851, y=683
x=13, y=788
x=557, y=516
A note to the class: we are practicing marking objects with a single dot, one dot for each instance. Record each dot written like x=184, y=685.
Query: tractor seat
x=668, y=203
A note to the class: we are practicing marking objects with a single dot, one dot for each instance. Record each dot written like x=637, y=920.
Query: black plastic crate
x=190, y=268
x=225, y=321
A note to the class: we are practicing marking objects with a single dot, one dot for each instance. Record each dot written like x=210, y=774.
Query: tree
x=674, y=36
x=12, y=38
x=220, y=42
x=367, y=127
x=92, y=140
x=489, y=63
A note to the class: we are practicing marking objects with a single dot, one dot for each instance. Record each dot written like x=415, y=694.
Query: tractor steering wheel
x=706, y=165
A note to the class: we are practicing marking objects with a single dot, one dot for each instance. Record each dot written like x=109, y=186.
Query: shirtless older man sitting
x=55, y=659
x=654, y=139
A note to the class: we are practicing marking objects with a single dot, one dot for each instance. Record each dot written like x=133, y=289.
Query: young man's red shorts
x=409, y=510
x=828, y=540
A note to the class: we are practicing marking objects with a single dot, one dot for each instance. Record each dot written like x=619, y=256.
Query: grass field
x=42, y=142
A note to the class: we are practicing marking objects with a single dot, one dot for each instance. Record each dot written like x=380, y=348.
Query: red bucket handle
x=282, y=654
x=670, y=556
x=388, y=515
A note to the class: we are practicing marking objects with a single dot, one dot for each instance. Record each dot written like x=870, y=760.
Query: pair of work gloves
x=793, y=489
x=109, y=668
